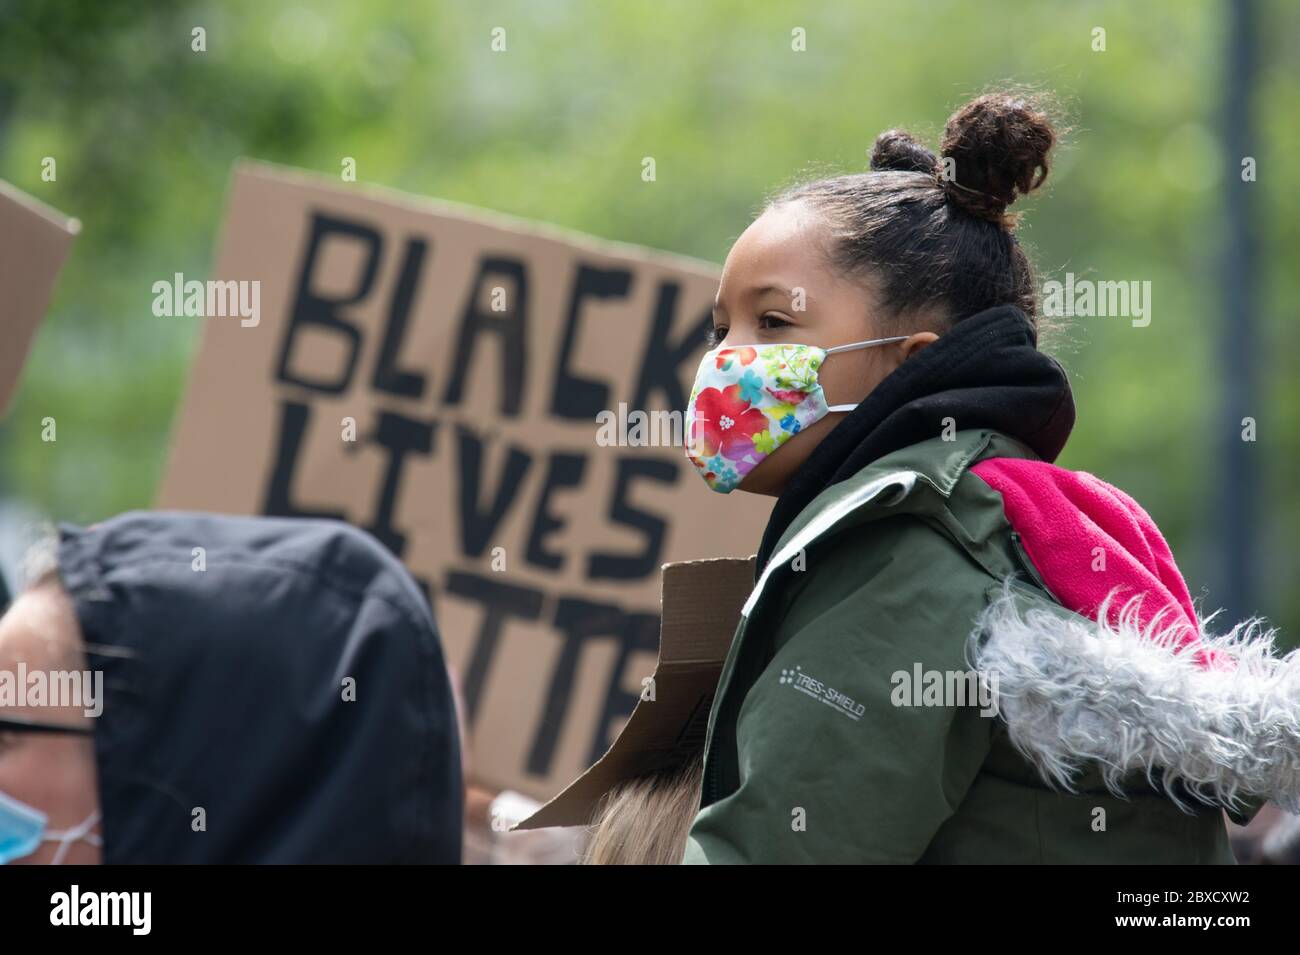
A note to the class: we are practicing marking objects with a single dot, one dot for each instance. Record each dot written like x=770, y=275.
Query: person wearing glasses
x=273, y=691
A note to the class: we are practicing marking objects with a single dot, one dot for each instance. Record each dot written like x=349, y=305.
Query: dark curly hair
x=932, y=233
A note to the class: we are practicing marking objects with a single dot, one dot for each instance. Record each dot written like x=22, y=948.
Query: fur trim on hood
x=1221, y=723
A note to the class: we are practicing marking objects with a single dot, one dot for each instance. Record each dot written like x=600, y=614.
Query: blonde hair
x=645, y=820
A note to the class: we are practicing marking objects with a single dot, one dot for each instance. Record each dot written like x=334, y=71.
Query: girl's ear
x=916, y=342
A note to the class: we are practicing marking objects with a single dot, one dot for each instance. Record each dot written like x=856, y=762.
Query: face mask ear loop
x=67, y=837
x=867, y=344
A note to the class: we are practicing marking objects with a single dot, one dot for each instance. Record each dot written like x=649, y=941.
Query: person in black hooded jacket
x=273, y=691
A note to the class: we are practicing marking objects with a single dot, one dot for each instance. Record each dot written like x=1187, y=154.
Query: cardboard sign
x=34, y=241
x=434, y=375
x=701, y=609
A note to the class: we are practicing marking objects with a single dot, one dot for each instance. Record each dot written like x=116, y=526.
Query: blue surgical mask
x=22, y=830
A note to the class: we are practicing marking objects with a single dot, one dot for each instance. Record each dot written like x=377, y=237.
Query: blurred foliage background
x=144, y=131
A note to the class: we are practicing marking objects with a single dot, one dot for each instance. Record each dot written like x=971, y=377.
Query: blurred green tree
x=144, y=130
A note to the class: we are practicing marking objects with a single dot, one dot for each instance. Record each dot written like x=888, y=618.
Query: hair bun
x=999, y=144
x=899, y=151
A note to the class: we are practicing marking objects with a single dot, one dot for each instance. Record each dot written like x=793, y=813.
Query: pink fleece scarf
x=1089, y=540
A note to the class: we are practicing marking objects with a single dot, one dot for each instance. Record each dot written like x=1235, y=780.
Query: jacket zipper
x=1022, y=556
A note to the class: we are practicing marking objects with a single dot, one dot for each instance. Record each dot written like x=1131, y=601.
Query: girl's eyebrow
x=757, y=292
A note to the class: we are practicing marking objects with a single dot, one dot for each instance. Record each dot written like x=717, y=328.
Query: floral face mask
x=748, y=400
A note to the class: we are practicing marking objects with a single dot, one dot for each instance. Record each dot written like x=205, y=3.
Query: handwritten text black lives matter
x=483, y=501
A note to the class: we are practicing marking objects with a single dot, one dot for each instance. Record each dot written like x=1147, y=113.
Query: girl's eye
x=772, y=320
x=715, y=336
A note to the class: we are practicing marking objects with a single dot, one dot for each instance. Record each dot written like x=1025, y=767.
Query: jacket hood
x=1129, y=679
x=274, y=692
x=986, y=372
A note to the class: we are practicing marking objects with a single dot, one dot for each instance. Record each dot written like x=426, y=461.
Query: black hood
x=224, y=692
x=987, y=372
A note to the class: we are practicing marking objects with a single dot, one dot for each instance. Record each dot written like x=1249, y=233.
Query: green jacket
x=830, y=740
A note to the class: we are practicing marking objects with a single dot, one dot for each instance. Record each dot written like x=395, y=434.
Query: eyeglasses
x=15, y=724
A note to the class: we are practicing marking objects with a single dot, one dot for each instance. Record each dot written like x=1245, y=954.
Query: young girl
x=954, y=651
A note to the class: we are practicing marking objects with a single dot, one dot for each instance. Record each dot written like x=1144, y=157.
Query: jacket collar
x=985, y=373
x=898, y=481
